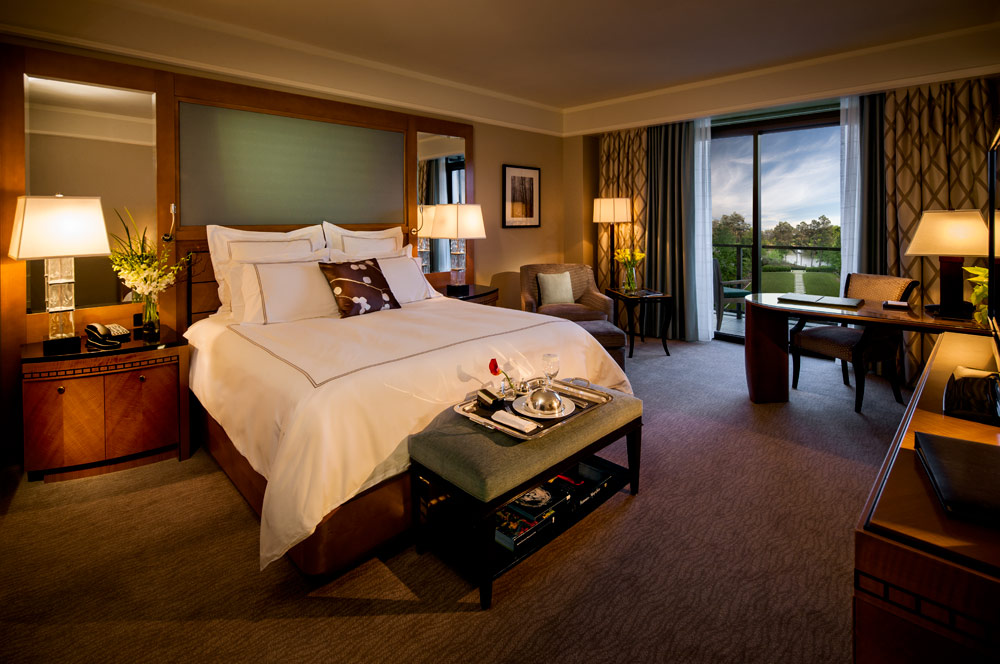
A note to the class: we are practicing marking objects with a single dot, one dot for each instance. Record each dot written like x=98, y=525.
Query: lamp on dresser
x=951, y=235
x=612, y=211
x=59, y=229
x=459, y=221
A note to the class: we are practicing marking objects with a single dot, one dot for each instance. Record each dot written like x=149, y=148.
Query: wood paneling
x=13, y=296
x=204, y=297
x=37, y=325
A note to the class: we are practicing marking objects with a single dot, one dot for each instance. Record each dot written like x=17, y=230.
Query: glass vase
x=150, y=318
x=629, y=283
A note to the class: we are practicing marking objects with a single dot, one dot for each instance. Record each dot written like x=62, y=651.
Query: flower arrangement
x=629, y=258
x=980, y=291
x=496, y=371
x=143, y=268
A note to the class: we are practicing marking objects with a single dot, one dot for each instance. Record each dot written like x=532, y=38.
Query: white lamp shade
x=950, y=233
x=458, y=222
x=425, y=221
x=612, y=210
x=58, y=227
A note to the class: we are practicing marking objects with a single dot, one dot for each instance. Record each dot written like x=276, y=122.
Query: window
x=776, y=205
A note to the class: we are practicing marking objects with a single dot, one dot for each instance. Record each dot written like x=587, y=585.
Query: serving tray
x=584, y=398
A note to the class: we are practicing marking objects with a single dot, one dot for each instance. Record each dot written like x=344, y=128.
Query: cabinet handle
x=142, y=379
x=60, y=389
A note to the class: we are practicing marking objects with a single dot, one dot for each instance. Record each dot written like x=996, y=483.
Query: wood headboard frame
x=196, y=293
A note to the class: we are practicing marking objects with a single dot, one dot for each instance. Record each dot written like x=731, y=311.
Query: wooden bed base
x=347, y=535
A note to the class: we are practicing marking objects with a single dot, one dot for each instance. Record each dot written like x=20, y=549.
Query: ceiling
x=567, y=53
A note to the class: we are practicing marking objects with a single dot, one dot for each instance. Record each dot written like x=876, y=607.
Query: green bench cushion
x=734, y=292
x=486, y=464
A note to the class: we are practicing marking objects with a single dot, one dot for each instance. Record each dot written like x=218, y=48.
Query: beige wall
x=580, y=189
x=500, y=256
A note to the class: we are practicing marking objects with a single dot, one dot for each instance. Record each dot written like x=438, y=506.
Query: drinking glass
x=550, y=367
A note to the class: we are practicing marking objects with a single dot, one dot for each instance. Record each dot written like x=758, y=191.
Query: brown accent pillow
x=359, y=287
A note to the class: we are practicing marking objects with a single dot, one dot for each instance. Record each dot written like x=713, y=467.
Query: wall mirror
x=90, y=140
x=440, y=180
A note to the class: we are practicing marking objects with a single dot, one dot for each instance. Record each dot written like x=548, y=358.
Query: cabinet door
x=63, y=422
x=141, y=409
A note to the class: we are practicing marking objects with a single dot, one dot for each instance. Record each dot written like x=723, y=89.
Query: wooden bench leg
x=486, y=541
x=633, y=442
x=415, y=511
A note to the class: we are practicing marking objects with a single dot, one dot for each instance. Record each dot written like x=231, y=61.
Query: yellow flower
x=628, y=257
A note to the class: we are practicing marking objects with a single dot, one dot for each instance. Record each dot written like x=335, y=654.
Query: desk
x=766, y=350
x=927, y=587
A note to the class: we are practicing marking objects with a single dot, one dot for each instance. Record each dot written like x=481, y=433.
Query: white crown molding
x=164, y=36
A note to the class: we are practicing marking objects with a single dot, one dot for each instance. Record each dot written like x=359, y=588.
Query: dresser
x=92, y=412
x=926, y=586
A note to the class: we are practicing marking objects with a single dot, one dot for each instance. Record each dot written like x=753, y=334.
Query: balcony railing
x=784, y=247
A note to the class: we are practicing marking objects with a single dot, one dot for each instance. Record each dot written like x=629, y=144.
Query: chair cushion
x=486, y=464
x=555, y=288
x=829, y=340
x=572, y=311
x=606, y=333
x=734, y=292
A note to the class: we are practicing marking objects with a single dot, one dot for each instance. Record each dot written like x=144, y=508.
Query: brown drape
x=622, y=160
x=936, y=137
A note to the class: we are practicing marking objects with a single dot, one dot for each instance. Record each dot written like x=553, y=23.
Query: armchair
x=589, y=303
x=725, y=293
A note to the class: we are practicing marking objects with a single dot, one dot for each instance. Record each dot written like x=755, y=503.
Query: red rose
x=494, y=367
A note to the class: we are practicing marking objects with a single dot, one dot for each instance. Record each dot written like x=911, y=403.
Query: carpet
x=738, y=548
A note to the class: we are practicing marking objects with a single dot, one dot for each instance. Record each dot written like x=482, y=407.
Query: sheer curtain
x=850, y=186
x=703, y=227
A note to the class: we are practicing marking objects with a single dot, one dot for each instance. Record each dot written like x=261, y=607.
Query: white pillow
x=228, y=246
x=406, y=279
x=368, y=246
x=337, y=256
x=283, y=292
x=335, y=235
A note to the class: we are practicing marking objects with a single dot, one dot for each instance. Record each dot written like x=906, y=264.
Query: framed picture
x=522, y=197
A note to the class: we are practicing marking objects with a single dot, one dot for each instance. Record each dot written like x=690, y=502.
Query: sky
x=800, y=175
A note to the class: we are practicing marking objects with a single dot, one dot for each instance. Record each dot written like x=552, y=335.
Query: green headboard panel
x=241, y=168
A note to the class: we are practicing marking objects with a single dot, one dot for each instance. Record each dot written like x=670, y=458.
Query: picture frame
x=522, y=197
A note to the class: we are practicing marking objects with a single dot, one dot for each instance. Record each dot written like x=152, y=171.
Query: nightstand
x=479, y=294
x=92, y=412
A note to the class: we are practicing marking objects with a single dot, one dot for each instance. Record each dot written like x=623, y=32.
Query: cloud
x=800, y=175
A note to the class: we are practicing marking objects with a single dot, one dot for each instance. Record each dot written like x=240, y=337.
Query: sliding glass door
x=775, y=211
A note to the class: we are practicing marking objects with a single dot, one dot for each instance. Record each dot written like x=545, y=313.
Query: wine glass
x=550, y=367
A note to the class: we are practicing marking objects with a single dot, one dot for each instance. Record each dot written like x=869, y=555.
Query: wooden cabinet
x=927, y=586
x=97, y=408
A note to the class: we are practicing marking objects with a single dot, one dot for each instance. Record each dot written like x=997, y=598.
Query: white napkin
x=511, y=420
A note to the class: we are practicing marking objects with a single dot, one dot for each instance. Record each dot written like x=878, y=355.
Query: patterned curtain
x=622, y=160
x=936, y=137
x=872, y=256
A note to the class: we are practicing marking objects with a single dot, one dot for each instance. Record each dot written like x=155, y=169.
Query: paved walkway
x=800, y=284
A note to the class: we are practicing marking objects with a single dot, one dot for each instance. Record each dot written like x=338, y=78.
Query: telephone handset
x=106, y=337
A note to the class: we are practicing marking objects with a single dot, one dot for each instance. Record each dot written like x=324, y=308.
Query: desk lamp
x=58, y=229
x=951, y=235
x=612, y=211
x=457, y=221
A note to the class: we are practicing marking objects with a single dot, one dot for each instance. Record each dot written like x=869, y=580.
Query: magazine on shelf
x=514, y=530
x=582, y=482
x=534, y=504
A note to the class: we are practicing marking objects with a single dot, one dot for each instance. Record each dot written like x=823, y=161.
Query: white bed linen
x=323, y=407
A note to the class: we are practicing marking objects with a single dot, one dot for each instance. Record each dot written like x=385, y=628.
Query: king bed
x=309, y=413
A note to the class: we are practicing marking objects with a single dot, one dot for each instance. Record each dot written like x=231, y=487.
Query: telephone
x=106, y=337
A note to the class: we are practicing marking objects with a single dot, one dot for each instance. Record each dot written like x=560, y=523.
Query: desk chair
x=859, y=346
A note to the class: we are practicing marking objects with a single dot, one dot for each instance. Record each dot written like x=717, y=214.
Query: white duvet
x=323, y=407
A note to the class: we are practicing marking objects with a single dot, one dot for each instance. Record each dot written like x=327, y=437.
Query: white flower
x=338, y=290
x=367, y=280
x=385, y=296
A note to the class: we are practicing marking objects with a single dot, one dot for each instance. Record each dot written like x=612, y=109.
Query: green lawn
x=822, y=283
x=778, y=282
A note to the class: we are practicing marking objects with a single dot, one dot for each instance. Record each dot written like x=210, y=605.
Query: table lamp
x=58, y=229
x=457, y=221
x=951, y=235
x=612, y=211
